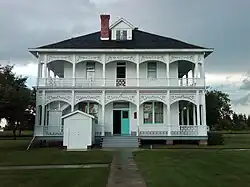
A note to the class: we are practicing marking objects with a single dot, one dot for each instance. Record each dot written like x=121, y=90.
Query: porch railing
x=144, y=130
x=172, y=130
x=50, y=130
x=119, y=82
x=55, y=130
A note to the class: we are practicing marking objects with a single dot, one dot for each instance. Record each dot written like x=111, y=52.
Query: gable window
x=121, y=35
x=152, y=70
x=153, y=113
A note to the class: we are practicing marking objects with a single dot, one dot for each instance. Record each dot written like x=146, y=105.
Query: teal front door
x=124, y=122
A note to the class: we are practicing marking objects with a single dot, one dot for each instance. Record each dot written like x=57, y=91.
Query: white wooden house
x=135, y=84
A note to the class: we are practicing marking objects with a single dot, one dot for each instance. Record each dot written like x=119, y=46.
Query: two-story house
x=136, y=85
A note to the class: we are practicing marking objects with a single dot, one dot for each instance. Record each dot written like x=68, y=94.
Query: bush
x=215, y=138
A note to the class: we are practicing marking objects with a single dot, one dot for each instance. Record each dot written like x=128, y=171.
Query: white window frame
x=120, y=34
x=148, y=70
x=153, y=112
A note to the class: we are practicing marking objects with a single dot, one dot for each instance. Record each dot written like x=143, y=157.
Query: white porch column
x=137, y=70
x=193, y=80
x=73, y=101
x=43, y=109
x=168, y=113
x=188, y=116
x=74, y=70
x=196, y=68
x=104, y=71
x=202, y=74
x=39, y=72
x=194, y=115
x=45, y=67
x=103, y=113
x=204, y=108
x=167, y=69
x=198, y=107
x=138, y=117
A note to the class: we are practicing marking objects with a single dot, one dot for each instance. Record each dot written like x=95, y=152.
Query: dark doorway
x=121, y=74
x=116, y=121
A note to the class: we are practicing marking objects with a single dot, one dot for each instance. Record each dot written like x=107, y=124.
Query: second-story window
x=121, y=35
x=152, y=70
x=90, y=70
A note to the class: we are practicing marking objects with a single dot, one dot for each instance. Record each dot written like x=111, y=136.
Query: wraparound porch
x=145, y=131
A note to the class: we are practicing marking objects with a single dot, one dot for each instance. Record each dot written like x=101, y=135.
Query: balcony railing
x=119, y=82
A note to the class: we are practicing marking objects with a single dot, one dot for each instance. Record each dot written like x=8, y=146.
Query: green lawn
x=237, y=140
x=203, y=168
x=231, y=141
x=58, y=177
x=13, y=152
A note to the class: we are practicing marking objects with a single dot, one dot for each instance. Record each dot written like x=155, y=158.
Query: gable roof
x=75, y=112
x=141, y=40
x=122, y=20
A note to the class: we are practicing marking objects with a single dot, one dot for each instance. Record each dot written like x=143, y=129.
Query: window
x=148, y=112
x=89, y=108
x=153, y=113
x=90, y=70
x=90, y=66
x=120, y=105
x=152, y=70
x=121, y=35
x=93, y=110
x=158, y=112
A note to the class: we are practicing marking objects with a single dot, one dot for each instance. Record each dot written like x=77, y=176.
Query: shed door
x=76, y=135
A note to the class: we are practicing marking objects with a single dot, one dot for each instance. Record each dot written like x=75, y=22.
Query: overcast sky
x=219, y=24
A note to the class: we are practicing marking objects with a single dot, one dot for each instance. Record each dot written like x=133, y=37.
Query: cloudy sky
x=219, y=24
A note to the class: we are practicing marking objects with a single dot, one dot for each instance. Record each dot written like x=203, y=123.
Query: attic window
x=121, y=35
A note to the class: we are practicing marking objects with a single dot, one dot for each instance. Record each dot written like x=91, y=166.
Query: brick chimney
x=104, y=26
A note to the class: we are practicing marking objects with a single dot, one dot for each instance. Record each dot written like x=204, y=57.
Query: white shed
x=78, y=130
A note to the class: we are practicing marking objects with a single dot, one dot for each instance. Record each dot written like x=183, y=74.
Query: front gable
x=121, y=30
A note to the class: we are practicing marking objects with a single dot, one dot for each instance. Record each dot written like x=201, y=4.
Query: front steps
x=120, y=142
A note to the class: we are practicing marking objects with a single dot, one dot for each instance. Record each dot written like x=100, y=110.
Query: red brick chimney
x=105, y=27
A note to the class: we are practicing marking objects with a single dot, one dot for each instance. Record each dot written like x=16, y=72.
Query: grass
x=64, y=178
x=203, y=168
x=13, y=152
x=231, y=141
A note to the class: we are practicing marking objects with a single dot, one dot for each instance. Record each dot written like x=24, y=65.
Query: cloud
x=219, y=24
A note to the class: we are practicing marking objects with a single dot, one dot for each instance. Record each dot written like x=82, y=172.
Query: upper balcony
x=161, y=71
x=118, y=82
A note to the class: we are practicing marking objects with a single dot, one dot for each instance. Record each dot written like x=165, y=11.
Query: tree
x=14, y=97
x=218, y=109
x=248, y=121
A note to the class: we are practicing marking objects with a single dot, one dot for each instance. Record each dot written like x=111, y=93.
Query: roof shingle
x=141, y=40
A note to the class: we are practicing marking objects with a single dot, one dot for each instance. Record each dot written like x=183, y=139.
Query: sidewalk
x=124, y=172
x=53, y=166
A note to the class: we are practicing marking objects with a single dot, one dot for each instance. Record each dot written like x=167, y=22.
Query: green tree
x=15, y=97
x=218, y=109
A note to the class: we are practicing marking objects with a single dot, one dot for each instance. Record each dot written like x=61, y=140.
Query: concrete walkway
x=54, y=166
x=124, y=172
